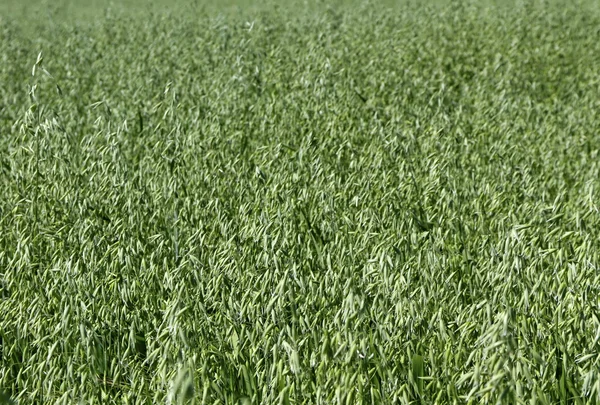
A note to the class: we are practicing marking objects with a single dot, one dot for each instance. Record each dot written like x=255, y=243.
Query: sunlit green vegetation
x=342, y=203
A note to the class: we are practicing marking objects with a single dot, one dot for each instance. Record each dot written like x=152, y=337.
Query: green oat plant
x=300, y=203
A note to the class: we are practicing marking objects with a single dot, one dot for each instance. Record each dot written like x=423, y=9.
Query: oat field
x=349, y=202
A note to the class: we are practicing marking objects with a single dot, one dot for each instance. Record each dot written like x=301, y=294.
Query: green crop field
x=300, y=202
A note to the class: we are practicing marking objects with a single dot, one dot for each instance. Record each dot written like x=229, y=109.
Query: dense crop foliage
x=348, y=204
